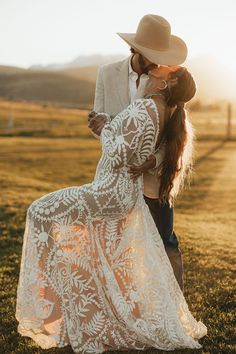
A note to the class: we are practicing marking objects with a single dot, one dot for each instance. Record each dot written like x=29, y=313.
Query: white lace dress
x=94, y=272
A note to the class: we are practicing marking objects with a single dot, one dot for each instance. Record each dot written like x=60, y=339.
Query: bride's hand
x=137, y=171
x=97, y=122
x=91, y=115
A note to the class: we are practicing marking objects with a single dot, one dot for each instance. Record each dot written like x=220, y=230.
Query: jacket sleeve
x=99, y=101
x=121, y=138
x=99, y=96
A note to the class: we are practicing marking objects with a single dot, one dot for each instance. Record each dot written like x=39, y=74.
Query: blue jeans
x=163, y=216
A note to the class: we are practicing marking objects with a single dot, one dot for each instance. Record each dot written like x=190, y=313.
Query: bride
x=94, y=271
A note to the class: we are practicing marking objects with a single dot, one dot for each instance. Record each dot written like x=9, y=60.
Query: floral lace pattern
x=94, y=272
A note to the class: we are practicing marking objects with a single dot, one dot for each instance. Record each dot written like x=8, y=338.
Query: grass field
x=33, y=164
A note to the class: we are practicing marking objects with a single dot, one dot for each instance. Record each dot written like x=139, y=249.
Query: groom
x=118, y=84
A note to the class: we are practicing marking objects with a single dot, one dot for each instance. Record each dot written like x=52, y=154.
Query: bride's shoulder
x=146, y=102
x=136, y=112
x=146, y=105
x=138, y=107
x=139, y=110
x=142, y=103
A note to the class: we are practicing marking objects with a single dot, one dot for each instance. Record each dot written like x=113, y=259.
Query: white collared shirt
x=135, y=92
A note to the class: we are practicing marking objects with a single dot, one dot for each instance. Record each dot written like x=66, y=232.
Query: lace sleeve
x=121, y=137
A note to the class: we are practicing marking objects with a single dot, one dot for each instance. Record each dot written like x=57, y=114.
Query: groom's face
x=145, y=64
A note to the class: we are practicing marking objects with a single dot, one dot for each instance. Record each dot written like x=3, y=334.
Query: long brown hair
x=175, y=131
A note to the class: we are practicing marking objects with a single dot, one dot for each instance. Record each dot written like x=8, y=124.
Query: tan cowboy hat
x=155, y=42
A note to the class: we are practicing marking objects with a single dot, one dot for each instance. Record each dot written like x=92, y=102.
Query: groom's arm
x=99, y=93
x=96, y=124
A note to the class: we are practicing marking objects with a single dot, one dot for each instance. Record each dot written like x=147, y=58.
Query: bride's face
x=158, y=78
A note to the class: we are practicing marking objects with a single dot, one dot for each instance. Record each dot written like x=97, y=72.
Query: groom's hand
x=96, y=122
x=136, y=171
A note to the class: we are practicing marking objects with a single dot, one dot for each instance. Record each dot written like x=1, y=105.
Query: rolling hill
x=81, y=61
x=73, y=83
x=47, y=86
x=84, y=73
x=9, y=70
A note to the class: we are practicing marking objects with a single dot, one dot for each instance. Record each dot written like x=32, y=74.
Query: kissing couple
x=101, y=268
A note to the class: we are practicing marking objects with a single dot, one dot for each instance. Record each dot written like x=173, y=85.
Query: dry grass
x=205, y=217
x=31, y=119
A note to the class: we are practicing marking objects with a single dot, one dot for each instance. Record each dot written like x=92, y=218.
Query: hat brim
x=174, y=55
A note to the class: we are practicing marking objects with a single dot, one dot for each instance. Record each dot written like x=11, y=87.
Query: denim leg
x=163, y=216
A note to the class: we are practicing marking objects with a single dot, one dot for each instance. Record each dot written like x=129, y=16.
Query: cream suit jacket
x=112, y=97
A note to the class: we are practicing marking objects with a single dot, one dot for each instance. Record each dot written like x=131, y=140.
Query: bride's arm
x=121, y=137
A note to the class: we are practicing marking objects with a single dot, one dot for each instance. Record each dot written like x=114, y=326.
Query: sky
x=57, y=31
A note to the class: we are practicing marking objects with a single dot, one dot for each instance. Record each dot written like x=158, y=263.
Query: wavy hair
x=178, y=132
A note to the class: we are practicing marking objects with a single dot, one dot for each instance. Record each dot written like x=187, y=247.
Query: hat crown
x=153, y=39
x=153, y=32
